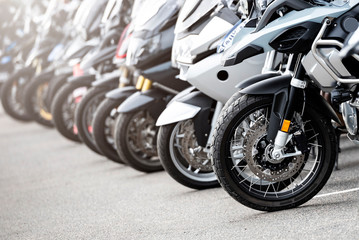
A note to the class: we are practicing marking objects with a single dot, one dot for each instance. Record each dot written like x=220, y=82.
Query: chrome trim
x=317, y=42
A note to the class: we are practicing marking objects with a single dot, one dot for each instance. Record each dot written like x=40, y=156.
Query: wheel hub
x=145, y=134
x=258, y=155
x=192, y=152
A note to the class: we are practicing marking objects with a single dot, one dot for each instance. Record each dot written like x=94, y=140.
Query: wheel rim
x=38, y=101
x=187, y=156
x=141, y=136
x=251, y=168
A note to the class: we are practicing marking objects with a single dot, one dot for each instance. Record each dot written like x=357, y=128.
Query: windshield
x=109, y=8
x=155, y=13
x=192, y=11
x=136, y=7
x=148, y=10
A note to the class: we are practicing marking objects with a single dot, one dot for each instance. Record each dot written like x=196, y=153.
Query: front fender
x=196, y=106
x=257, y=78
x=268, y=86
x=182, y=94
x=120, y=93
x=184, y=108
x=101, y=56
x=108, y=80
x=176, y=112
x=153, y=100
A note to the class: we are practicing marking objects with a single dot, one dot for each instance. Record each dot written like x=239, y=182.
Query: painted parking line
x=336, y=193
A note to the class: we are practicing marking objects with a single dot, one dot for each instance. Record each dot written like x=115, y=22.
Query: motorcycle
x=275, y=147
x=14, y=87
x=37, y=94
x=95, y=64
x=187, y=122
x=149, y=51
x=105, y=114
x=85, y=111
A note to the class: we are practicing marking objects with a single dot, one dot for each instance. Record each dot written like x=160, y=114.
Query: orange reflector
x=285, y=126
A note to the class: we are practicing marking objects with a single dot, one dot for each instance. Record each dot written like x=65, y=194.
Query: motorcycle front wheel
x=103, y=124
x=182, y=158
x=243, y=164
x=136, y=139
x=12, y=94
x=63, y=108
x=34, y=102
x=84, y=115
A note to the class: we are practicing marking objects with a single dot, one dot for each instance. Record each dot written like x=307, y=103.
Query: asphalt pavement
x=52, y=188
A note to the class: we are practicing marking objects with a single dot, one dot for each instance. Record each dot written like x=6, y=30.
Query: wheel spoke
x=315, y=145
x=313, y=136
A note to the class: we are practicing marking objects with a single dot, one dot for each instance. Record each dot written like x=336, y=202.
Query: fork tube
x=294, y=90
x=297, y=84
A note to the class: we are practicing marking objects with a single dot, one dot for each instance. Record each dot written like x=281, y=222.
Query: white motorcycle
x=187, y=122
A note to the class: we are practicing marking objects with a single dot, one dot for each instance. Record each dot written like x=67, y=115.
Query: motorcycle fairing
x=206, y=75
x=261, y=39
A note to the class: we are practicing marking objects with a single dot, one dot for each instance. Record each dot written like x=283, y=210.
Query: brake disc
x=146, y=134
x=192, y=152
x=257, y=152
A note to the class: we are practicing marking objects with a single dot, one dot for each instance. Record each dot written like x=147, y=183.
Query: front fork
x=297, y=85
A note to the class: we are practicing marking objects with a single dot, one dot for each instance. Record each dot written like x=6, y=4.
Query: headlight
x=227, y=41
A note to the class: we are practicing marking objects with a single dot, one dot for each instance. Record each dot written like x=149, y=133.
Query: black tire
x=232, y=99
x=233, y=172
x=63, y=110
x=34, y=102
x=85, y=113
x=177, y=166
x=105, y=116
x=12, y=101
x=136, y=158
x=54, y=88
